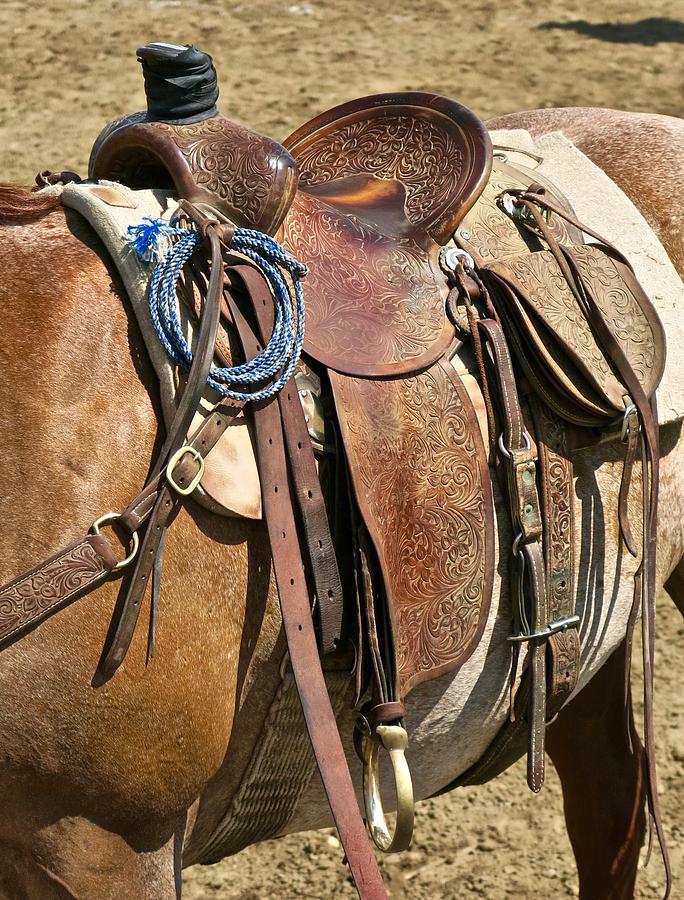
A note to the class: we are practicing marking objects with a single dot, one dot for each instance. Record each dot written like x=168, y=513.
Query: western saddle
x=422, y=251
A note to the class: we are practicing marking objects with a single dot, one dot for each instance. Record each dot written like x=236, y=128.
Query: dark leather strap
x=158, y=502
x=166, y=502
x=296, y=611
x=520, y=465
x=306, y=483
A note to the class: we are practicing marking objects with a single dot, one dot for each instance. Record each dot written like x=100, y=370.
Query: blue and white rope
x=171, y=247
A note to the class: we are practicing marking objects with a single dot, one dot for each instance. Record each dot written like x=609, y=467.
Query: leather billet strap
x=293, y=591
x=82, y=565
x=563, y=653
x=558, y=536
x=529, y=580
x=313, y=517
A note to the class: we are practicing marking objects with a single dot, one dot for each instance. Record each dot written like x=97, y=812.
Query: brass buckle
x=173, y=462
x=105, y=520
x=394, y=739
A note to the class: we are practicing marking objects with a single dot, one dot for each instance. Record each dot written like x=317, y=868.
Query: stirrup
x=394, y=739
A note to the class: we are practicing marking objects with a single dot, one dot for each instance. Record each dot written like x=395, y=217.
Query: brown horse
x=108, y=788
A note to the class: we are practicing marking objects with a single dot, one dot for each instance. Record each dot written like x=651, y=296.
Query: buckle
x=629, y=419
x=173, y=462
x=552, y=628
x=507, y=453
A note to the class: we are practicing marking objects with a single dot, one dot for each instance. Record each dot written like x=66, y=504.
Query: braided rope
x=171, y=247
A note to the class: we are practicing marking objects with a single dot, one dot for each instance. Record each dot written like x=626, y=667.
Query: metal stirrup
x=395, y=740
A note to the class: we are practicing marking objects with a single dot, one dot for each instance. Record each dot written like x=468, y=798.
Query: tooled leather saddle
x=368, y=196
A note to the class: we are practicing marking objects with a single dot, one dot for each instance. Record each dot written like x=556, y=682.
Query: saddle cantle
x=384, y=181
x=246, y=176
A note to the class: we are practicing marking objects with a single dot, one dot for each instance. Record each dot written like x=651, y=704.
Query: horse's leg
x=603, y=783
x=675, y=586
x=73, y=859
x=48, y=852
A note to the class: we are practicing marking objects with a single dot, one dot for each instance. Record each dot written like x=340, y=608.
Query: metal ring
x=135, y=542
x=626, y=421
x=516, y=543
x=507, y=453
x=395, y=740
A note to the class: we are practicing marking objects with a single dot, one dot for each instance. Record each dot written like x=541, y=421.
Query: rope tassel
x=171, y=246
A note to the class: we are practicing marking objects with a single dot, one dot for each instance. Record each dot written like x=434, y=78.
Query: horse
x=111, y=787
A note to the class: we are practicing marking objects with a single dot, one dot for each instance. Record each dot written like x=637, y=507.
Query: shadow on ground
x=647, y=32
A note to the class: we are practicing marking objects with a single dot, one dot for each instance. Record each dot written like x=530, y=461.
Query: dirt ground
x=70, y=67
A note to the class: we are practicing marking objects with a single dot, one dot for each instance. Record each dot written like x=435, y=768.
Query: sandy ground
x=69, y=67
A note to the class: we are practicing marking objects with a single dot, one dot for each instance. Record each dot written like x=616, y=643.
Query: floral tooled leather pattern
x=371, y=299
x=228, y=160
x=420, y=478
x=29, y=598
x=426, y=159
x=543, y=285
x=491, y=234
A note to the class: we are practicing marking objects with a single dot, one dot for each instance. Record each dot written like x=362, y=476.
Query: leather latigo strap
x=167, y=501
x=529, y=578
x=295, y=605
x=308, y=495
x=159, y=502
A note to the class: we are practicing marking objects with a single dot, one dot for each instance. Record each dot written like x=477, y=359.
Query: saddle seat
x=384, y=182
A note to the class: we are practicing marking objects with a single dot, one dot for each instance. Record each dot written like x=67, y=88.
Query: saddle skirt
x=601, y=204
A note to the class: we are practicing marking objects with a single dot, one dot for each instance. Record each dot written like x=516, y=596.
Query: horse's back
x=642, y=152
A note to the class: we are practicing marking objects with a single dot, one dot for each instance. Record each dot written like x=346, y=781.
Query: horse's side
x=103, y=783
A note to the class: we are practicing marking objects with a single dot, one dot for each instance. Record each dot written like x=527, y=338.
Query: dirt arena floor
x=70, y=67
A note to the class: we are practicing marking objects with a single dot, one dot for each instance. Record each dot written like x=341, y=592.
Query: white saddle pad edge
x=230, y=485
x=601, y=204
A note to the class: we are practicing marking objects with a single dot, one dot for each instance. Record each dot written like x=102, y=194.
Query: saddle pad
x=420, y=477
x=230, y=485
x=602, y=205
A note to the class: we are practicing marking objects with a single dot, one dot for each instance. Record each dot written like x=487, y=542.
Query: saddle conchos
x=460, y=325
